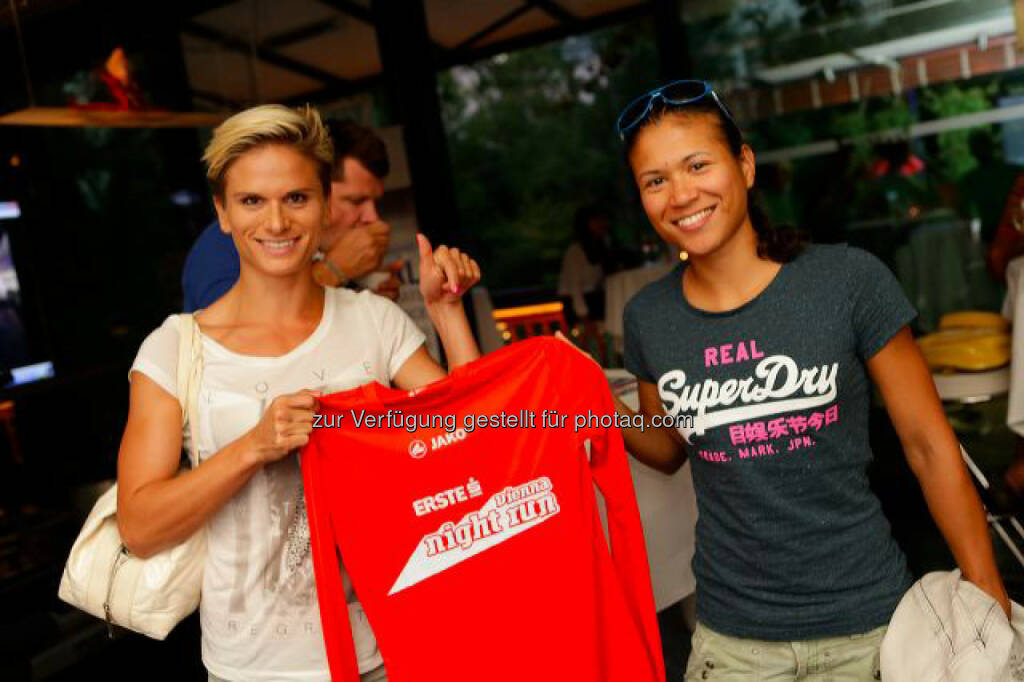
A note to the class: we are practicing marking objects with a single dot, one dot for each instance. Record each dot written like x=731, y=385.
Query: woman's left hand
x=995, y=589
x=445, y=273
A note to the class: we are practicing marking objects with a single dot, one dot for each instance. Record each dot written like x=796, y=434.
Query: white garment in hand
x=946, y=629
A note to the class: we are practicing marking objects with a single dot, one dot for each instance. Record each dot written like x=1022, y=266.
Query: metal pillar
x=674, y=61
x=408, y=61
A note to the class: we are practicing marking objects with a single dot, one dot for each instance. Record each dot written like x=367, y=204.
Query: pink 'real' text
x=730, y=353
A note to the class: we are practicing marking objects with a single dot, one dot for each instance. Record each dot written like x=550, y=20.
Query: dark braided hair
x=779, y=243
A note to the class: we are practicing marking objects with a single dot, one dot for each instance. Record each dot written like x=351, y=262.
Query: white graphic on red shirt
x=770, y=391
x=505, y=515
x=417, y=449
x=447, y=498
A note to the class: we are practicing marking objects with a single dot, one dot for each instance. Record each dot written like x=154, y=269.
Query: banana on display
x=971, y=341
x=974, y=319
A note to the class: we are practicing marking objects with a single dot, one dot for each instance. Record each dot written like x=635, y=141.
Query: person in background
x=984, y=188
x=1007, y=245
x=1008, y=242
x=584, y=266
x=763, y=349
x=354, y=241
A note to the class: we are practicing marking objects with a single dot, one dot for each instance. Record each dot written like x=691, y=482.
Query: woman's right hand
x=285, y=426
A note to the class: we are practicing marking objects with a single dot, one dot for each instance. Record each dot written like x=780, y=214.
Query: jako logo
x=438, y=442
x=417, y=449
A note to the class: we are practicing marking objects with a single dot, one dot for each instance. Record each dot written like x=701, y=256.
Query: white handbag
x=101, y=577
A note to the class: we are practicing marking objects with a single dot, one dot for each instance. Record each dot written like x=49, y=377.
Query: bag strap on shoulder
x=190, y=371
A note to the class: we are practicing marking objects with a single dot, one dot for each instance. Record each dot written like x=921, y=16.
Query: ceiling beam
x=491, y=28
x=184, y=11
x=216, y=99
x=555, y=11
x=297, y=35
x=269, y=56
x=338, y=88
x=330, y=93
x=455, y=57
x=352, y=9
x=469, y=55
x=363, y=14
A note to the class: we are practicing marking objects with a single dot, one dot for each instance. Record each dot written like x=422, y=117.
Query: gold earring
x=683, y=255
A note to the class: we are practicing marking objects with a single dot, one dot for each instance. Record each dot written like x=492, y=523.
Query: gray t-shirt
x=791, y=542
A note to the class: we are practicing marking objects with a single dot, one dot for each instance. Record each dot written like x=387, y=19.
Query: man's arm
x=358, y=252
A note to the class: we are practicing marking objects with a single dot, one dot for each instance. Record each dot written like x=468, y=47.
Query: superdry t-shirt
x=791, y=542
x=475, y=546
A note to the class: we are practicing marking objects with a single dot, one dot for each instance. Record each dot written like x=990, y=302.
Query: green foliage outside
x=531, y=132
x=531, y=136
x=954, y=156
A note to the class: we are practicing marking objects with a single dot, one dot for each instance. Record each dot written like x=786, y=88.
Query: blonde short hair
x=301, y=129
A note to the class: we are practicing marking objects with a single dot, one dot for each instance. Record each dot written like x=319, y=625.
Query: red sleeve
x=610, y=471
x=341, y=653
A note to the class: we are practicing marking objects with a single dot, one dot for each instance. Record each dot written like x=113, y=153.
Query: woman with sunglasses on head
x=761, y=347
x=271, y=346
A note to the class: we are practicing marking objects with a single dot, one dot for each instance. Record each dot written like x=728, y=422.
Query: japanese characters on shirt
x=778, y=408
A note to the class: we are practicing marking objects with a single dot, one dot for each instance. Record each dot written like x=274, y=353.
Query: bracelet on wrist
x=336, y=271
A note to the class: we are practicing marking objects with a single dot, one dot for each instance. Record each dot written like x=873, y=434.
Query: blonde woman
x=271, y=345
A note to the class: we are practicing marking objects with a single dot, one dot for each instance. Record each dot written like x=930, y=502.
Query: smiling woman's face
x=273, y=206
x=693, y=188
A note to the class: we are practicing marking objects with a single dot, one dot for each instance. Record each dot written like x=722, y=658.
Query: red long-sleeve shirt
x=478, y=554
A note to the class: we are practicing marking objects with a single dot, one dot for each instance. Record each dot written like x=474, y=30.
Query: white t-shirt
x=259, y=612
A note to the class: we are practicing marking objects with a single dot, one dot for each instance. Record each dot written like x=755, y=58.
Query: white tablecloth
x=668, y=511
x=621, y=287
x=1013, y=310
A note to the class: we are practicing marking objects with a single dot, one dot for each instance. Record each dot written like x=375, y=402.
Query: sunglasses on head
x=675, y=94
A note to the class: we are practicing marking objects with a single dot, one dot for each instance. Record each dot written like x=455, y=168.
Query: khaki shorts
x=853, y=658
